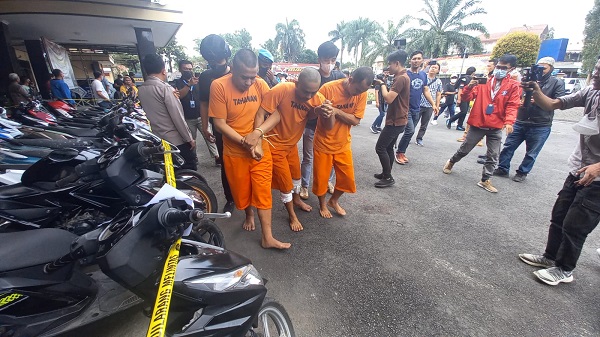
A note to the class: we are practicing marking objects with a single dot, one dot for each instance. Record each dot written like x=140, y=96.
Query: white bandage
x=296, y=188
x=286, y=197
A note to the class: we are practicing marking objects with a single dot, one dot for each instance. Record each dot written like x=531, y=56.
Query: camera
x=380, y=77
x=533, y=73
x=400, y=43
x=432, y=62
x=481, y=80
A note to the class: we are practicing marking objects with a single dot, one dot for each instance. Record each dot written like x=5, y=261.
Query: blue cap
x=266, y=54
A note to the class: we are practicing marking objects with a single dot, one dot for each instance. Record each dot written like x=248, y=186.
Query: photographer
x=380, y=102
x=532, y=126
x=577, y=209
x=495, y=109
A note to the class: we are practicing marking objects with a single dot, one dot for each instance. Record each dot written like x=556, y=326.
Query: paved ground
x=433, y=256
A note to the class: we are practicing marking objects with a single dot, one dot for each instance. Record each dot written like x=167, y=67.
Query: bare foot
x=336, y=207
x=324, y=211
x=273, y=243
x=295, y=225
x=249, y=224
x=303, y=206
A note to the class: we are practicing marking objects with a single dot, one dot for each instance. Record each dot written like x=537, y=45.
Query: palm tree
x=444, y=27
x=359, y=33
x=383, y=44
x=289, y=39
x=340, y=33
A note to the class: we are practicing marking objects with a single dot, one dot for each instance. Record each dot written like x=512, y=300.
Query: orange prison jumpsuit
x=333, y=148
x=286, y=134
x=250, y=180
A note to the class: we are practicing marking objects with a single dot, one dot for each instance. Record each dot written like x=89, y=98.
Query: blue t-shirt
x=418, y=81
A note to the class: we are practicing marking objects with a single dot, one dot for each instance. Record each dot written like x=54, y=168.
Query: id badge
x=192, y=104
x=489, y=110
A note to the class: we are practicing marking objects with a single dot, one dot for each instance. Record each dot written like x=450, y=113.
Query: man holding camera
x=189, y=95
x=418, y=88
x=495, y=109
x=532, y=126
x=576, y=211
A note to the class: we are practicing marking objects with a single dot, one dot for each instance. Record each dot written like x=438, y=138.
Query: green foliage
x=272, y=47
x=591, y=40
x=238, y=40
x=359, y=33
x=308, y=56
x=383, y=44
x=445, y=27
x=523, y=45
x=340, y=33
x=289, y=39
x=174, y=52
x=131, y=61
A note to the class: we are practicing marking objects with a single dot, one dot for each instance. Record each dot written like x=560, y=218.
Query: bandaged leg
x=286, y=197
x=296, y=189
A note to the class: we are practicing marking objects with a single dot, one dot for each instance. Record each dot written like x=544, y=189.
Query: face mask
x=453, y=81
x=262, y=71
x=327, y=67
x=186, y=75
x=219, y=68
x=500, y=74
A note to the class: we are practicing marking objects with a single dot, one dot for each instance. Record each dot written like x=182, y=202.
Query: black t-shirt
x=204, y=82
x=449, y=87
x=190, y=110
x=335, y=75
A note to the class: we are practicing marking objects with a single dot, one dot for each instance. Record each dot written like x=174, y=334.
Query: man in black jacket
x=532, y=126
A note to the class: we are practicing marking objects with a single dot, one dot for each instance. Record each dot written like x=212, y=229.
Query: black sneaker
x=378, y=176
x=483, y=156
x=481, y=161
x=448, y=124
x=519, y=177
x=374, y=129
x=378, y=129
x=459, y=128
x=228, y=207
x=500, y=173
x=387, y=182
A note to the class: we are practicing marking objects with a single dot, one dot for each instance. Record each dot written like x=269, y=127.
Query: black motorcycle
x=45, y=292
x=67, y=191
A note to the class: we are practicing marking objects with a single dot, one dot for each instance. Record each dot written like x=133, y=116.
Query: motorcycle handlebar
x=174, y=217
x=147, y=151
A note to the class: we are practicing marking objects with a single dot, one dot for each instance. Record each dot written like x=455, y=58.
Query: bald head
x=308, y=84
x=309, y=75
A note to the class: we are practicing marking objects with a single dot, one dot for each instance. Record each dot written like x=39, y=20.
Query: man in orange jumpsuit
x=332, y=144
x=234, y=104
x=295, y=103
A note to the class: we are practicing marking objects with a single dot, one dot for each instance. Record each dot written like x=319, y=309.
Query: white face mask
x=453, y=80
x=327, y=67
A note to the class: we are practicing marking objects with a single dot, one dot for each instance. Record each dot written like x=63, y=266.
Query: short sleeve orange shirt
x=237, y=108
x=294, y=115
x=338, y=139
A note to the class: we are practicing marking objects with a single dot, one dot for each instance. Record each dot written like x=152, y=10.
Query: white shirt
x=97, y=86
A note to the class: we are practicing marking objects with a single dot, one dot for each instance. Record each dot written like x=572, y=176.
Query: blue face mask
x=500, y=74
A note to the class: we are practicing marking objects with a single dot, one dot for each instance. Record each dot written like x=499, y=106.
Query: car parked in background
x=574, y=84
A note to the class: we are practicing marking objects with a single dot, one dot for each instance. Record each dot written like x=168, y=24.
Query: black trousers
x=464, y=109
x=575, y=214
x=189, y=155
x=385, y=147
x=224, y=182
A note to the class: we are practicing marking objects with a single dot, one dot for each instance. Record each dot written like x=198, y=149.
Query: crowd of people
x=252, y=121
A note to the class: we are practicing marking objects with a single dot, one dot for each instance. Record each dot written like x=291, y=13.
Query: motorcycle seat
x=32, y=248
x=10, y=191
x=77, y=132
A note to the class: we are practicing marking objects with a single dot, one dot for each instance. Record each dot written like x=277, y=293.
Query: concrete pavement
x=433, y=255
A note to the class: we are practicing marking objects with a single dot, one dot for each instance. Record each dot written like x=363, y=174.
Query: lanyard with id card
x=191, y=93
x=490, y=109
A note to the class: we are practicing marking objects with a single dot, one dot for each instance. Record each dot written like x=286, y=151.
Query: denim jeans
x=379, y=119
x=534, y=137
x=409, y=131
x=425, y=117
x=385, y=147
x=451, y=110
x=307, y=157
x=464, y=109
x=575, y=214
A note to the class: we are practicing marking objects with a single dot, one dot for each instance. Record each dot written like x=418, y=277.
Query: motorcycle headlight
x=238, y=279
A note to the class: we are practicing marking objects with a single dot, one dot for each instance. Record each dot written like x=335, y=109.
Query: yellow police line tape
x=160, y=313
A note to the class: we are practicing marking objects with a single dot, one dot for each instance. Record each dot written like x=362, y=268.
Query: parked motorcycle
x=44, y=292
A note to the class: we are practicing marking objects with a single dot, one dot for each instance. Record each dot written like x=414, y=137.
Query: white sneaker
x=434, y=122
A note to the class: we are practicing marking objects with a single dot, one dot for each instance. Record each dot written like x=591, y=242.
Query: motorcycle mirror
x=62, y=155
